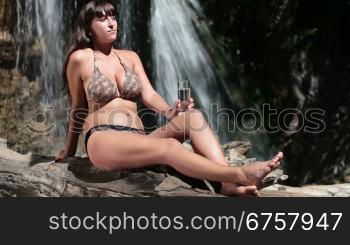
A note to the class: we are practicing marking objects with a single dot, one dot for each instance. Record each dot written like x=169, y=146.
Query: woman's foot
x=231, y=189
x=254, y=173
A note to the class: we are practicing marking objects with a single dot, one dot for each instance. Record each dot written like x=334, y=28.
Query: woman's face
x=104, y=29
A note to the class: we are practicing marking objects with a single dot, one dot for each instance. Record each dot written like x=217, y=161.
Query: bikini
x=102, y=90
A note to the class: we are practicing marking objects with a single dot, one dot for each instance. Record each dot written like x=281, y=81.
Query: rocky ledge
x=37, y=175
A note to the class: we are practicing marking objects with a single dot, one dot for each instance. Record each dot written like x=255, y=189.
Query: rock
x=170, y=183
x=336, y=190
x=235, y=152
x=9, y=155
x=240, y=147
x=274, y=177
x=3, y=143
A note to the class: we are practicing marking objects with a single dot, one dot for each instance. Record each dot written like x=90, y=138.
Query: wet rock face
x=9, y=79
x=20, y=87
x=18, y=99
x=7, y=44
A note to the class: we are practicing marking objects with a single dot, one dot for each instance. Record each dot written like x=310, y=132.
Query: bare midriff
x=117, y=112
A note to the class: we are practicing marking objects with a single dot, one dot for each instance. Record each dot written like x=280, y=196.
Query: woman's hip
x=112, y=128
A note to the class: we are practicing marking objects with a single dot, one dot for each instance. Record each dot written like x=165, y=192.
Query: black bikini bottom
x=104, y=127
x=192, y=181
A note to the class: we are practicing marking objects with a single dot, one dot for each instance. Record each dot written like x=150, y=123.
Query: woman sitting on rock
x=107, y=82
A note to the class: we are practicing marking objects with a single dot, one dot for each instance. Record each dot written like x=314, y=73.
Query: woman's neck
x=103, y=48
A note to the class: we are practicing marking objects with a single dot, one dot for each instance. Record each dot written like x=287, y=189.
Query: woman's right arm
x=79, y=107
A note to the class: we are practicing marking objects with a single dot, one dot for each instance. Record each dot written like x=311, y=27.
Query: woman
x=107, y=82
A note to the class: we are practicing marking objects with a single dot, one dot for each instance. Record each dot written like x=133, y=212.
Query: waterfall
x=127, y=24
x=40, y=39
x=48, y=16
x=178, y=54
x=49, y=19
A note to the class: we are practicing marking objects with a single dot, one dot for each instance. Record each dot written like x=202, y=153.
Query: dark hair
x=81, y=39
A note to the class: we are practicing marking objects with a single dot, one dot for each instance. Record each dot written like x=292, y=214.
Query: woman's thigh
x=181, y=126
x=169, y=130
x=113, y=150
x=178, y=128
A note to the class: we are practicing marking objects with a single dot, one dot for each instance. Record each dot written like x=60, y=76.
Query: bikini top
x=102, y=90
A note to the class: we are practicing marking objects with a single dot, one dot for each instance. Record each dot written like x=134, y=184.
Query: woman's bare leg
x=114, y=150
x=192, y=124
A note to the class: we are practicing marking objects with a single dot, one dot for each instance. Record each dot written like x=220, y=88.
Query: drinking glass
x=183, y=90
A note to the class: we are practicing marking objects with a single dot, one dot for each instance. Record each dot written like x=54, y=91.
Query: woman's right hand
x=63, y=154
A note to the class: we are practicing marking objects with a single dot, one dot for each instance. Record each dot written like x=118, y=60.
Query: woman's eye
x=106, y=18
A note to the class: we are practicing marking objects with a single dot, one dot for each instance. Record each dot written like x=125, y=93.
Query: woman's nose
x=111, y=22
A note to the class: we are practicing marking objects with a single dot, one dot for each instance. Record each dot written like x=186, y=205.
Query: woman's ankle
x=239, y=176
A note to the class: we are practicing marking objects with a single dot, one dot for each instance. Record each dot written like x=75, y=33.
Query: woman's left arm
x=151, y=98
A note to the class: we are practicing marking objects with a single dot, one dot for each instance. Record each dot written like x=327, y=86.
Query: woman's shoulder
x=80, y=55
x=126, y=53
x=130, y=57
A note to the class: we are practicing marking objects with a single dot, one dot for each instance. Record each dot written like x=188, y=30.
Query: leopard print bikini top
x=102, y=90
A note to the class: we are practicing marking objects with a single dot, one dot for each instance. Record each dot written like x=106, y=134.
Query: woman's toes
x=272, y=164
x=230, y=189
x=252, y=189
x=246, y=190
x=280, y=155
x=256, y=193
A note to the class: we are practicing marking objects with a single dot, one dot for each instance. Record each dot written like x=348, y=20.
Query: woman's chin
x=110, y=40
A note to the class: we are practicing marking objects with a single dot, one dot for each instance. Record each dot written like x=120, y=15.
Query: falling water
x=127, y=24
x=23, y=32
x=179, y=54
x=48, y=16
x=49, y=19
x=40, y=34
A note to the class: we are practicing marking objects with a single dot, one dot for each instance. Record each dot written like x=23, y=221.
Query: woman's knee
x=170, y=145
x=194, y=120
x=194, y=115
x=189, y=116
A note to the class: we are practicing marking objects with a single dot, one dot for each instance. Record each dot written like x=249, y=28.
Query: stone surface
x=336, y=190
